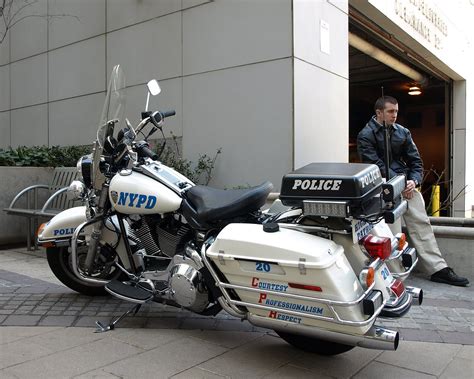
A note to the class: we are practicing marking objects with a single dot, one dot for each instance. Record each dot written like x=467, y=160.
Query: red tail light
x=398, y=287
x=378, y=247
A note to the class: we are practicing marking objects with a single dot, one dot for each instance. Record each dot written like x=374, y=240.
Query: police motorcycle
x=316, y=267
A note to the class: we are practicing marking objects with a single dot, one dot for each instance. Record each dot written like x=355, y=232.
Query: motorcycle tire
x=59, y=262
x=314, y=345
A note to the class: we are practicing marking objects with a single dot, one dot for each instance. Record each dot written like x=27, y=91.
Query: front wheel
x=314, y=345
x=60, y=262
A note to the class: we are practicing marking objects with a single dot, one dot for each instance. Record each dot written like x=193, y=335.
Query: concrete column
x=321, y=80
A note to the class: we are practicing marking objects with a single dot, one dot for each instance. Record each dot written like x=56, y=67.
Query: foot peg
x=127, y=292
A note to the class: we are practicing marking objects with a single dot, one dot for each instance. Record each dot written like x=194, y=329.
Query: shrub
x=43, y=156
x=67, y=156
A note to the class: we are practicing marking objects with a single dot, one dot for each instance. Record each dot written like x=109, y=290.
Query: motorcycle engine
x=165, y=239
x=162, y=235
x=188, y=288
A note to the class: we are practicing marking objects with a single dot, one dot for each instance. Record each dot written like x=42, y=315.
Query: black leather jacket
x=405, y=158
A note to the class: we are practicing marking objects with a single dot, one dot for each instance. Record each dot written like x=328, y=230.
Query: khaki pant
x=422, y=237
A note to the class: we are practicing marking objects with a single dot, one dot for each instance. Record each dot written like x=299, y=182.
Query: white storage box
x=288, y=274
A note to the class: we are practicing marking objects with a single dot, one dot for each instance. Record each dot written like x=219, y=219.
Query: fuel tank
x=132, y=192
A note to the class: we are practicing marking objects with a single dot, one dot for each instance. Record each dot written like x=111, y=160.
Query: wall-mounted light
x=414, y=91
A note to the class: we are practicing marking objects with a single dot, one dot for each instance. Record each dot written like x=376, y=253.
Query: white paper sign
x=324, y=34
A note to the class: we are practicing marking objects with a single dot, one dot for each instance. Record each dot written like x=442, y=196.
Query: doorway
x=427, y=114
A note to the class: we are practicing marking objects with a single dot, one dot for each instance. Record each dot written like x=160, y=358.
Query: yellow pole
x=435, y=202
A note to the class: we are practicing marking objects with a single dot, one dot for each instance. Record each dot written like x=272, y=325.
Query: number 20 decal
x=263, y=266
x=385, y=273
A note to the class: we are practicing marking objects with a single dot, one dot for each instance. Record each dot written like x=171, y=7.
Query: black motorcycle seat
x=212, y=204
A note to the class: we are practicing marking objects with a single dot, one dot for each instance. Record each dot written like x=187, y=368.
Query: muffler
x=375, y=338
x=416, y=293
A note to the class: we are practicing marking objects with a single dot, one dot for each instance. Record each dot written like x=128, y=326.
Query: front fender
x=62, y=225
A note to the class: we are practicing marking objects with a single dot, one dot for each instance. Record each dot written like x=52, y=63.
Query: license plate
x=360, y=229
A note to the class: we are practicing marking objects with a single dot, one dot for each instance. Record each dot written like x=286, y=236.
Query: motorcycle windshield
x=114, y=104
x=112, y=113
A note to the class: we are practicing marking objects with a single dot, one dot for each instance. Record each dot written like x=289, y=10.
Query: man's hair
x=380, y=103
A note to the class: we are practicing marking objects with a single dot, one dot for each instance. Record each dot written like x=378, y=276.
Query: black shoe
x=448, y=276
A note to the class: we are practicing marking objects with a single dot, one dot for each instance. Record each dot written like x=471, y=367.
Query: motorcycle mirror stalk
x=153, y=89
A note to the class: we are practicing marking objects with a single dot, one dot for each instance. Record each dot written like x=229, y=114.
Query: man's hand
x=408, y=191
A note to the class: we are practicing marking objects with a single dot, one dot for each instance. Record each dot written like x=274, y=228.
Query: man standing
x=405, y=159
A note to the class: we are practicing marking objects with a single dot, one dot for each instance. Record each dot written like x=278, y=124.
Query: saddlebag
x=288, y=275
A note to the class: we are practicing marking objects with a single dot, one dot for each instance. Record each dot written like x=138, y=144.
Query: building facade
x=265, y=80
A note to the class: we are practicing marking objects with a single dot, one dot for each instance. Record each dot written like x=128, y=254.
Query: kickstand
x=102, y=328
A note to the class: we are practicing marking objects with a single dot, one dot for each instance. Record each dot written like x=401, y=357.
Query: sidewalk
x=46, y=330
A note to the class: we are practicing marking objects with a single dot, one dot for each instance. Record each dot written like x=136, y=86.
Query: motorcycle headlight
x=75, y=190
x=84, y=167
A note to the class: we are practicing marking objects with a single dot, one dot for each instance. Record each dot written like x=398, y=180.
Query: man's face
x=389, y=114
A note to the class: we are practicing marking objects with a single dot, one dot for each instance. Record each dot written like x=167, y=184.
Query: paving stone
x=42, y=308
x=227, y=339
x=381, y=370
x=54, y=313
x=235, y=325
x=131, y=322
x=200, y=324
x=457, y=337
x=466, y=352
x=22, y=320
x=89, y=322
x=20, y=351
x=57, y=321
x=79, y=360
x=74, y=308
x=462, y=329
x=430, y=359
x=26, y=308
x=197, y=372
x=148, y=339
x=70, y=313
x=163, y=360
x=446, y=328
x=458, y=368
x=6, y=311
x=87, y=313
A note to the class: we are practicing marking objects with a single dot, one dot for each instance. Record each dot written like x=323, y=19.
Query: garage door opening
x=427, y=115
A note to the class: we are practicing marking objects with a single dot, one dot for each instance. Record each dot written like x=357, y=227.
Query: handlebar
x=143, y=151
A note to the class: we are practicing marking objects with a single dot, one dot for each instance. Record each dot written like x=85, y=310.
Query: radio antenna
x=386, y=139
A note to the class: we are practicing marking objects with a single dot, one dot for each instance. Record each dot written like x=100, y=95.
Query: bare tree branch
x=11, y=16
x=19, y=10
x=42, y=16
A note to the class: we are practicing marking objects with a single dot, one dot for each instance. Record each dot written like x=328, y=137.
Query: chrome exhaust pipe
x=417, y=295
x=376, y=337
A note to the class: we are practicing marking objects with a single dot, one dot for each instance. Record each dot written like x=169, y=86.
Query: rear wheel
x=314, y=345
x=60, y=262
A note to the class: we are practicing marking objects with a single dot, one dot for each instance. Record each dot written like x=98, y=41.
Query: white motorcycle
x=318, y=267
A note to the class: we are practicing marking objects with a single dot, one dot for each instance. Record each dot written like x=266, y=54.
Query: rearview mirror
x=154, y=87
